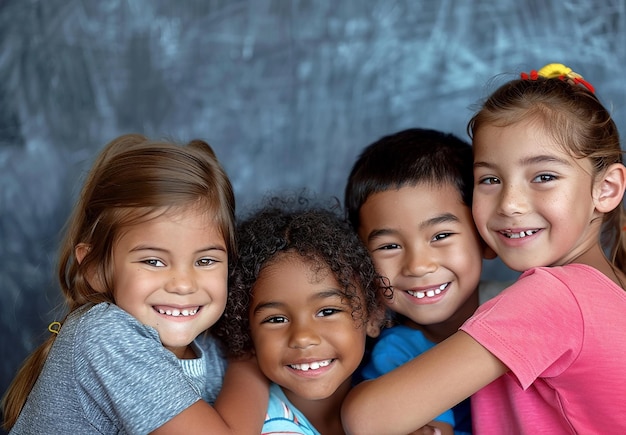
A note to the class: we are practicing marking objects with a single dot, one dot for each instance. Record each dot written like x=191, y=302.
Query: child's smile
x=423, y=240
x=305, y=337
x=170, y=311
x=533, y=202
x=171, y=275
x=428, y=292
x=314, y=366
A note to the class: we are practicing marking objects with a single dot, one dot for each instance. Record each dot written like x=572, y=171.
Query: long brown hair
x=130, y=179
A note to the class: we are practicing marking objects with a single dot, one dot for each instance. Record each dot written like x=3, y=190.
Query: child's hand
x=435, y=428
x=427, y=430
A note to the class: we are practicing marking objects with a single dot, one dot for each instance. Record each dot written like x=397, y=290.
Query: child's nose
x=512, y=200
x=419, y=261
x=180, y=282
x=303, y=335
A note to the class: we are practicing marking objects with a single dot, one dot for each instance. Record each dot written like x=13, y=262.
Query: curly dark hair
x=318, y=234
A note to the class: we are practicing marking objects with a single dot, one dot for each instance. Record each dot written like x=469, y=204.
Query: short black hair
x=407, y=158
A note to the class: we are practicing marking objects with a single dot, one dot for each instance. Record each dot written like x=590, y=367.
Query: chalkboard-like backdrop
x=287, y=92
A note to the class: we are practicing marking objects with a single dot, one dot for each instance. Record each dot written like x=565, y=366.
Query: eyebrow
x=435, y=220
x=440, y=219
x=139, y=248
x=529, y=161
x=324, y=294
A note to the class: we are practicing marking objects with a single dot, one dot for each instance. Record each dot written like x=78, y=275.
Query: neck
x=323, y=414
x=595, y=258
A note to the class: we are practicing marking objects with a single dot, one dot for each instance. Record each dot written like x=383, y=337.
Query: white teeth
x=310, y=366
x=520, y=235
x=428, y=293
x=186, y=312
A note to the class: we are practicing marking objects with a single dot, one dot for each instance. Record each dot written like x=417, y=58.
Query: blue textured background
x=287, y=92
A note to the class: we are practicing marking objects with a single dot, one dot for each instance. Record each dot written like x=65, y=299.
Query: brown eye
x=328, y=312
x=275, y=319
x=154, y=262
x=544, y=178
x=441, y=236
x=489, y=180
x=204, y=262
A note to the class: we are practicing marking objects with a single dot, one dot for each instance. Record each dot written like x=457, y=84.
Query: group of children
x=163, y=287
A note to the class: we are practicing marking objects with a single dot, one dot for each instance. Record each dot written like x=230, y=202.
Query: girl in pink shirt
x=544, y=356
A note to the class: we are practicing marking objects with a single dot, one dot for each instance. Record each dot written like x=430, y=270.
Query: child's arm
x=395, y=349
x=244, y=396
x=412, y=395
x=240, y=407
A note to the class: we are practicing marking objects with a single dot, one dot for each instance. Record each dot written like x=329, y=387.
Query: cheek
x=389, y=269
x=354, y=343
x=383, y=266
x=267, y=349
x=222, y=294
x=478, y=213
x=218, y=287
x=390, y=300
x=122, y=283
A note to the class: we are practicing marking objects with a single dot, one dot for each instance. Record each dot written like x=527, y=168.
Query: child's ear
x=81, y=251
x=92, y=277
x=375, y=322
x=373, y=328
x=608, y=190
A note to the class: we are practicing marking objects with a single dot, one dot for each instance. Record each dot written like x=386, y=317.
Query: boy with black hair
x=409, y=197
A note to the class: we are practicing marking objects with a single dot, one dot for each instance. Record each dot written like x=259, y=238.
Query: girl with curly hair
x=303, y=297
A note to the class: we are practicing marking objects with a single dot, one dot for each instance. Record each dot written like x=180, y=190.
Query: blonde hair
x=131, y=178
x=577, y=120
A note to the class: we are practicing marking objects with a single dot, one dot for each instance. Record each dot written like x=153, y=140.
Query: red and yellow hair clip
x=558, y=71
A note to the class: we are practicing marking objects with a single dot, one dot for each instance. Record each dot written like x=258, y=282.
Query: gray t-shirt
x=109, y=374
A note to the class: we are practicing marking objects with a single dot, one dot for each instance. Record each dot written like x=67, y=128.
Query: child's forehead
x=315, y=268
x=139, y=215
x=134, y=218
x=412, y=210
x=420, y=189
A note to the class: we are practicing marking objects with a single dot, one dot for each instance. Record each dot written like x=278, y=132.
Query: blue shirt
x=400, y=344
x=284, y=418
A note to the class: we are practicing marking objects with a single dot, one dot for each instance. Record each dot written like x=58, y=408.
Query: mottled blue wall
x=287, y=92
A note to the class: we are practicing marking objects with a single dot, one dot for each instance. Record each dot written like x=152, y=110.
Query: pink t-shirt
x=562, y=333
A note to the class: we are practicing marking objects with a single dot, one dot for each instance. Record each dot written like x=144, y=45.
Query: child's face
x=423, y=240
x=171, y=273
x=532, y=201
x=305, y=337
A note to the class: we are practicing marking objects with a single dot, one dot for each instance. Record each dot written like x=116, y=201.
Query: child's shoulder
x=547, y=287
x=573, y=274
x=489, y=289
x=282, y=416
x=104, y=323
x=101, y=315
